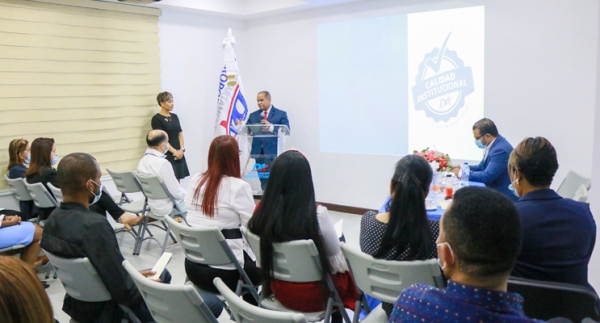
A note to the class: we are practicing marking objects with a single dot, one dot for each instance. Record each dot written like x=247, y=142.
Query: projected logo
x=442, y=84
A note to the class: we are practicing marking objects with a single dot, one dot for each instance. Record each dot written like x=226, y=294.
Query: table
x=434, y=215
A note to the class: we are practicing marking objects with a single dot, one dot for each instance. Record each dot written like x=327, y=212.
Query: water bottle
x=465, y=174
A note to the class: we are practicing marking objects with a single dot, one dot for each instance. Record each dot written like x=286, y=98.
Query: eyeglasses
x=477, y=138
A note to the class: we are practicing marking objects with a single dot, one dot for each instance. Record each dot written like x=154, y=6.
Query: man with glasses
x=493, y=169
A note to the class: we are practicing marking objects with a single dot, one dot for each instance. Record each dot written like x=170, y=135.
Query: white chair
x=81, y=281
x=298, y=262
x=17, y=187
x=40, y=195
x=169, y=303
x=126, y=183
x=582, y=194
x=386, y=279
x=571, y=184
x=247, y=313
x=12, y=248
x=56, y=192
x=208, y=246
x=154, y=188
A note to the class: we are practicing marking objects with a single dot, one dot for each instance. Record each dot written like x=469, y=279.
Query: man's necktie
x=265, y=115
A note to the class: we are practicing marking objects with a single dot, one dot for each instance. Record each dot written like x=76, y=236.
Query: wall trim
x=336, y=207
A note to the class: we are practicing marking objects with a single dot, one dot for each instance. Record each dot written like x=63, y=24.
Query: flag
x=231, y=104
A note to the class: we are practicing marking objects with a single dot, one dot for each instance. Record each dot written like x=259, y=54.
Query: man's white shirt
x=154, y=163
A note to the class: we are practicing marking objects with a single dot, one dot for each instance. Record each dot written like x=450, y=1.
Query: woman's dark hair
x=15, y=149
x=163, y=97
x=223, y=160
x=41, y=149
x=536, y=160
x=408, y=226
x=287, y=212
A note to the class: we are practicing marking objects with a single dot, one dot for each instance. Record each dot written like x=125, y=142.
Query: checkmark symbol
x=435, y=66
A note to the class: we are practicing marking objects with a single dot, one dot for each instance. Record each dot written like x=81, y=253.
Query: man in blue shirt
x=480, y=237
x=493, y=168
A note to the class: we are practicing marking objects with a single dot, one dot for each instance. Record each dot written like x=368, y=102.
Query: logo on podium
x=442, y=83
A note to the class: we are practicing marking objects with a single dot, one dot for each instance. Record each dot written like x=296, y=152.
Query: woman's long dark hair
x=408, y=226
x=41, y=151
x=287, y=212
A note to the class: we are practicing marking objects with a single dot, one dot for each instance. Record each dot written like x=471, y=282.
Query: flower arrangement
x=439, y=161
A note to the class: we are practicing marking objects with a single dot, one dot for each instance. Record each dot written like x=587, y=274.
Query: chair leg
x=328, y=310
x=167, y=234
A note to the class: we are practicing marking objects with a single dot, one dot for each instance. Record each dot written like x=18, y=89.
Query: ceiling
x=245, y=9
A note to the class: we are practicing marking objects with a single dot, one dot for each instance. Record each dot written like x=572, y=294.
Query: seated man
x=154, y=163
x=480, y=237
x=73, y=231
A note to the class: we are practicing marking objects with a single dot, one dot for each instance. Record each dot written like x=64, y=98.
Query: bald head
x=155, y=138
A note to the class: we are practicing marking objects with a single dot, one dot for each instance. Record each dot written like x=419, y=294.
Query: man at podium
x=264, y=149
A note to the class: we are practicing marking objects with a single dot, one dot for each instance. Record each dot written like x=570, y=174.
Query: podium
x=259, y=146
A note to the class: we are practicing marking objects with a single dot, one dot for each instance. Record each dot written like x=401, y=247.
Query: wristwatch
x=183, y=149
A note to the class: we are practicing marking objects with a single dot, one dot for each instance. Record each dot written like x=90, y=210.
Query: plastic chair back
x=125, y=181
x=40, y=195
x=582, y=194
x=254, y=242
x=246, y=313
x=152, y=186
x=79, y=278
x=56, y=192
x=171, y=303
x=17, y=186
x=202, y=245
x=545, y=300
x=386, y=279
x=571, y=184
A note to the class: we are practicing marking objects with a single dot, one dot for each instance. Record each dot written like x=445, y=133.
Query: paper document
x=338, y=228
x=160, y=265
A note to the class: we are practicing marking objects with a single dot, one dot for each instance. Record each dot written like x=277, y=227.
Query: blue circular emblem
x=442, y=83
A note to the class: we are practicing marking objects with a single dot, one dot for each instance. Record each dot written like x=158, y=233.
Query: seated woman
x=288, y=212
x=558, y=234
x=23, y=298
x=404, y=232
x=13, y=231
x=18, y=161
x=43, y=157
x=219, y=197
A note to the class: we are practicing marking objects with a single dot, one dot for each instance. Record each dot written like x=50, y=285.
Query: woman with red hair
x=219, y=197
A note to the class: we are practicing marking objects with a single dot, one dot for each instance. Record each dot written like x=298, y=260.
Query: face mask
x=96, y=197
x=54, y=160
x=166, y=150
x=479, y=144
x=451, y=252
x=28, y=159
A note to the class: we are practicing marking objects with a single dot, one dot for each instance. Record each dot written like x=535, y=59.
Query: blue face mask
x=166, y=150
x=28, y=160
x=479, y=144
x=512, y=189
x=54, y=160
x=96, y=197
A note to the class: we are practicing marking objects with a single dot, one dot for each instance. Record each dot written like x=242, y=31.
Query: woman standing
x=169, y=122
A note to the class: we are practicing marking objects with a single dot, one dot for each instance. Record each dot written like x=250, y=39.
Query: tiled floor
x=151, y=252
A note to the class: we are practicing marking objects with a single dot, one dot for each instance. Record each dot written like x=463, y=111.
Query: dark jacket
x=493, y=169
x=558, y=238
x=16, y=171
x=73, y=231
x=267, y=145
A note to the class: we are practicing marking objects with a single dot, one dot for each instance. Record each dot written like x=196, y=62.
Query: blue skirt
x=17, y=234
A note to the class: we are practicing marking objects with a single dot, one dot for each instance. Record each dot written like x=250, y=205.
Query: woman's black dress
x=172, y=127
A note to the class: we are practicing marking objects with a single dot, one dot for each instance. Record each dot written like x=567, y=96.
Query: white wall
x=540, y=79
x=191, y=62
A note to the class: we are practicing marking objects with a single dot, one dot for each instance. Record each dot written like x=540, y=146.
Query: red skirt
x=311, y=297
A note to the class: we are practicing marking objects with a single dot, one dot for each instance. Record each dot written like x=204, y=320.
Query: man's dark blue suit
x=493, y=169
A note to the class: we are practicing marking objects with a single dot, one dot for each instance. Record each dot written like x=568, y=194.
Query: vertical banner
x=445, y=79
x=231, y=104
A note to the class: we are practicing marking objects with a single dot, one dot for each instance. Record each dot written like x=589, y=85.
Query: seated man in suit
x=477, y=256
x=264, y=150
x=155, y=163
x=492, y=171
x=73, y=231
